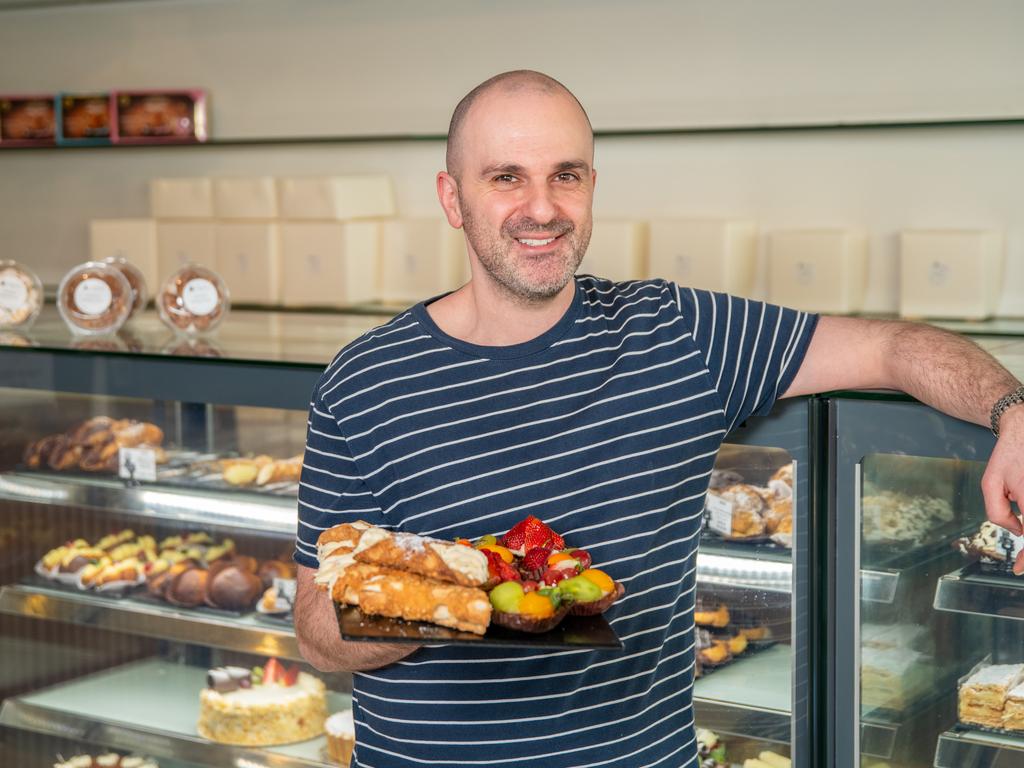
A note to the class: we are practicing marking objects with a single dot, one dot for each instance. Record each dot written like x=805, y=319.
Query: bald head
x=509, y=83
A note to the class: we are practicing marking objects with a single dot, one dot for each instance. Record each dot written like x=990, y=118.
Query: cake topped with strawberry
x=272, y=704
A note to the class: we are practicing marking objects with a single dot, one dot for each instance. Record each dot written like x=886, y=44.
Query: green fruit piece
x=506, y=596
x=485, y=539
x=581, y=589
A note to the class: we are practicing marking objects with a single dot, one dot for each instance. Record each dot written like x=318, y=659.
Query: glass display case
x=169, y=449
x=753, y=591
x=925, y=609
x=147, y=500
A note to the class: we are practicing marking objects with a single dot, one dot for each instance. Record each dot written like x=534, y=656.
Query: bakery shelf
x=730, y=571
x=154, y=713
x=979, y=594
x=878, y=586
x=966, y=748
x=750, y=697
x=252, y=511
x=250, y=633
x=890, y=735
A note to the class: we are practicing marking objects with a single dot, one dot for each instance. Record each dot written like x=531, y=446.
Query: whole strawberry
x=529, y=533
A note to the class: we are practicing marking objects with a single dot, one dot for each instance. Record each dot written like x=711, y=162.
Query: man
x=600, y=408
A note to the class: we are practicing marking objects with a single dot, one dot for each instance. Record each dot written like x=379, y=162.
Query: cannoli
x=415, y=598
x=442, y=560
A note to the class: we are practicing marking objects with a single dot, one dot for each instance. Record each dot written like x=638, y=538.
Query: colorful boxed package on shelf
x=84, y=119
x=159, y=117
x=27, y=120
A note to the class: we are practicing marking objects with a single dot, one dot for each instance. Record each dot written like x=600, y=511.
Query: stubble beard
x=494, y=254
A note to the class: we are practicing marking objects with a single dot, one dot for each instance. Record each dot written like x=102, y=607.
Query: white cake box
x=184, y=242
x=955, y=273
x=131, y=239
x=252, y=198
x=247, y=260
x=714, y=254
x=329, y=264
x=336, y=197
x=617, y=250
x=818, y=270
x=185, y=198
x=420, y=258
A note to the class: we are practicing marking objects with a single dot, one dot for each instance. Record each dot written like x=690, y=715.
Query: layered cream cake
x=270, y=705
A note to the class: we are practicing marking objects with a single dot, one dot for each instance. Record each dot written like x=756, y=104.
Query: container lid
x=194, y=300
x=21, y=295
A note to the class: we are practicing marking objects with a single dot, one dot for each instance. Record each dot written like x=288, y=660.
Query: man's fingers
x=1018, y=567
x=997, y=506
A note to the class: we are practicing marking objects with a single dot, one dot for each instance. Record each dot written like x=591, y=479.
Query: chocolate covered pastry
x=232, y=585
x=94, y=298
x=194, y=300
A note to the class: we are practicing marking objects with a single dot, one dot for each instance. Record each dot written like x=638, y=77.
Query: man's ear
x=448, y=195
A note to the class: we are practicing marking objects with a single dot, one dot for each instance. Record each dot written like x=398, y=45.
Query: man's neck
x=479, y=313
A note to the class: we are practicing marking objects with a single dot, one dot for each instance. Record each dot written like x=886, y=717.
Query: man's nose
x=539, y=204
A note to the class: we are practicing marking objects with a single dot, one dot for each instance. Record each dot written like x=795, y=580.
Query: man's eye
x=505, y=178
x=567, y=177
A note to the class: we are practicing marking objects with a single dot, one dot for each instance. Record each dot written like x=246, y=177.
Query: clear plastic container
x=135, y=279
x=193, y=301
x=21, y=295
x=94, y=299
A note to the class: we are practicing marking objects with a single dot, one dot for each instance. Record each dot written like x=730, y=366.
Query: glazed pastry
x=716, y=617
x=433, y=558
x=188, y=588
x=286, y=470
x=275, y=569
x=37, y=454
x=747, y=507
x=779, y=516
x=232, y=586
x=64, y=455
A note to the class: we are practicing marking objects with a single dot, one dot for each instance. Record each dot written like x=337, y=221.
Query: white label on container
x=200, y=296
x=13, y=293
x=93, y=296
x=719, y=515
x=938, y=273
x=137, y=464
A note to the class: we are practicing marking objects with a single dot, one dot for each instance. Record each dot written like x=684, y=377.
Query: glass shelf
x=250, y=633
x=750, y=697
x=237, y=509
x=966, y=748
x=980, y=594
x=154, y=713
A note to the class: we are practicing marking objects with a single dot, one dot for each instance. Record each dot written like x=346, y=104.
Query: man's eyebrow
x=517, y=170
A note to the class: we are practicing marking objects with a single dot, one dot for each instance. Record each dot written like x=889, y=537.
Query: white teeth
x=526, y=241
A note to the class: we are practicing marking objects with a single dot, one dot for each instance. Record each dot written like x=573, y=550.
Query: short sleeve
x=752, y=350
x=331, y=489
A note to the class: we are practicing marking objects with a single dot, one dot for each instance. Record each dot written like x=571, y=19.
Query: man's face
x=525, y=190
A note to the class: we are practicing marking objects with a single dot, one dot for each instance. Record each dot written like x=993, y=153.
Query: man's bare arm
x=316, y=629
x=944, y=370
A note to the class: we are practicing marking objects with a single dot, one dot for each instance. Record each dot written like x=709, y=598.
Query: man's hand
x=319, y=637
x=1004, y=478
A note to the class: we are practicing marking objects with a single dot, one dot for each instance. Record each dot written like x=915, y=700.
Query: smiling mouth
x=534, y=242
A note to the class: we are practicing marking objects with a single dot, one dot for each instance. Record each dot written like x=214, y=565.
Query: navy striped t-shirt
x=606, y=427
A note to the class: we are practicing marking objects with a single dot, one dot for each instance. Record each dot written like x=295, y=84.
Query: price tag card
x=719, y=514
x=285, y=592
x=137, y=464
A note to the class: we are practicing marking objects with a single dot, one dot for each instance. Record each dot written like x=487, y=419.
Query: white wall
x=327, y=67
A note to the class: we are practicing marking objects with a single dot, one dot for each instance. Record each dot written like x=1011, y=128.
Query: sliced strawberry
x=535, y=559
x=583, y=556
x=552, y=576
x=498, y=569
x=508, y=572
x=291, y=675
x=272, y=671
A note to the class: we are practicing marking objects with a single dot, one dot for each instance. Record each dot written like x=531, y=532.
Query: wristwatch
x=1010, y=399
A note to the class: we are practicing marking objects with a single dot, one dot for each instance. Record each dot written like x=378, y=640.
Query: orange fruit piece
x=602, y=579
x=537, y=605
x=503, y=553
x=558, y=557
